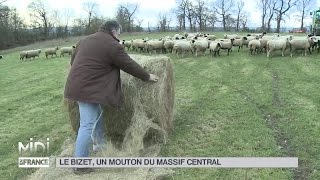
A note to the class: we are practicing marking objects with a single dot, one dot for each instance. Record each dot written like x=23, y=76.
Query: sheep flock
x=196, y=44
x=28, y=54
x=203, y=44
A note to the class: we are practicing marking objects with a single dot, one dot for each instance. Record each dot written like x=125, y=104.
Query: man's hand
x=153, y=78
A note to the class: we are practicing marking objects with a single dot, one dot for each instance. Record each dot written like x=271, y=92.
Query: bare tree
x=212, y=19
x=163, y=22
x=223, y=8
x=303, y=6
x=200, y=10
x=244, y=20
x=128, y=10
x=190, y=14
x=240, y=5
x=2, y=1
x=263, y=5
x=40, y=12
x=181, y=12
x=281, y=8
x=90, y=7
x=270, y=6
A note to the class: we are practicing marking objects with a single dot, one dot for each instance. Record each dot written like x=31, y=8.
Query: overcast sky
x=148, y=10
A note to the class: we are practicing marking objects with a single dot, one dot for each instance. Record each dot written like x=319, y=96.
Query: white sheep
x=214, y=47
x=301, y=44
x=182, y=46
x=154, y=45
x=138, y=44
x=168, y=45
x=51, y=51
x=23, y=55
x=231, y=36
x=248, y=39
x=278, y=44
x=191, y=36
x=68, y=50
x=32, y=53
x=227, y=44
x=254, y=46
x=211, y=37
x=200, y=45
x=239, y=42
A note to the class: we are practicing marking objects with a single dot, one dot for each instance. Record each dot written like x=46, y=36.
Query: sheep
x=177, y=36
x=200, y=45
x=264, y=40
x=168, y=45
x=277, y=44
x=211, y=37
x=227, y=44
x=68, y=50
x=248, y=39
x=32, y=53
x=126, y=44
x=215, y=47
x=154, y=45
x=301, y=44
x=254, y=45
x=51, y=51
x=182, y=46
x=239, y=42
x=138, y=44
x=23, y=55
x=1, y=57
x=191, y=36
x=230, y=36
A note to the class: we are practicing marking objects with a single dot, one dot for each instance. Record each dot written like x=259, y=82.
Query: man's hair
x=110, y=25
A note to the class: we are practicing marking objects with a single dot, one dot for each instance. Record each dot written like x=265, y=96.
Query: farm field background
x=227, y=106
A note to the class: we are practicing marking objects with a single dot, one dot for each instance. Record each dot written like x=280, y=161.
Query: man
x=94, y=81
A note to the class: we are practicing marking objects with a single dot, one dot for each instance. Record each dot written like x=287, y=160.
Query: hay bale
x=148, y=107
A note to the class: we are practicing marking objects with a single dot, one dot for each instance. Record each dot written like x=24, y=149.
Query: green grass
x=227, y=106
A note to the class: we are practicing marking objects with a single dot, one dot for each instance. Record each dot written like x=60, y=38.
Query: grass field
x=227, y=106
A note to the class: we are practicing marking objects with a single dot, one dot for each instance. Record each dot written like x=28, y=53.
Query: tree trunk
x=224, y=22
x=269, y=23
x=190, y=22
x=184, y=21
x=238, y=19
x=278, y=24
x=302, y=19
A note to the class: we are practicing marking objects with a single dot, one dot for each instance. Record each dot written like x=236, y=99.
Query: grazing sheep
x=264, y=40
x=200, y=45
x=227, y=44
x=68, y=50
x=168, y=45
x=191, y=36
x=1, y=57
x=154, y=45
x=277, y=44
x=300, y=44
x=51, y=51
x=248, y=39
x=182, y=46
x=211, y=37
x=239, y=42
x=231, y=36
x=32, y=53
x=138, y=44
x=215, y=47
x=254, y=46
x=23, y=55
x=126, y=44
